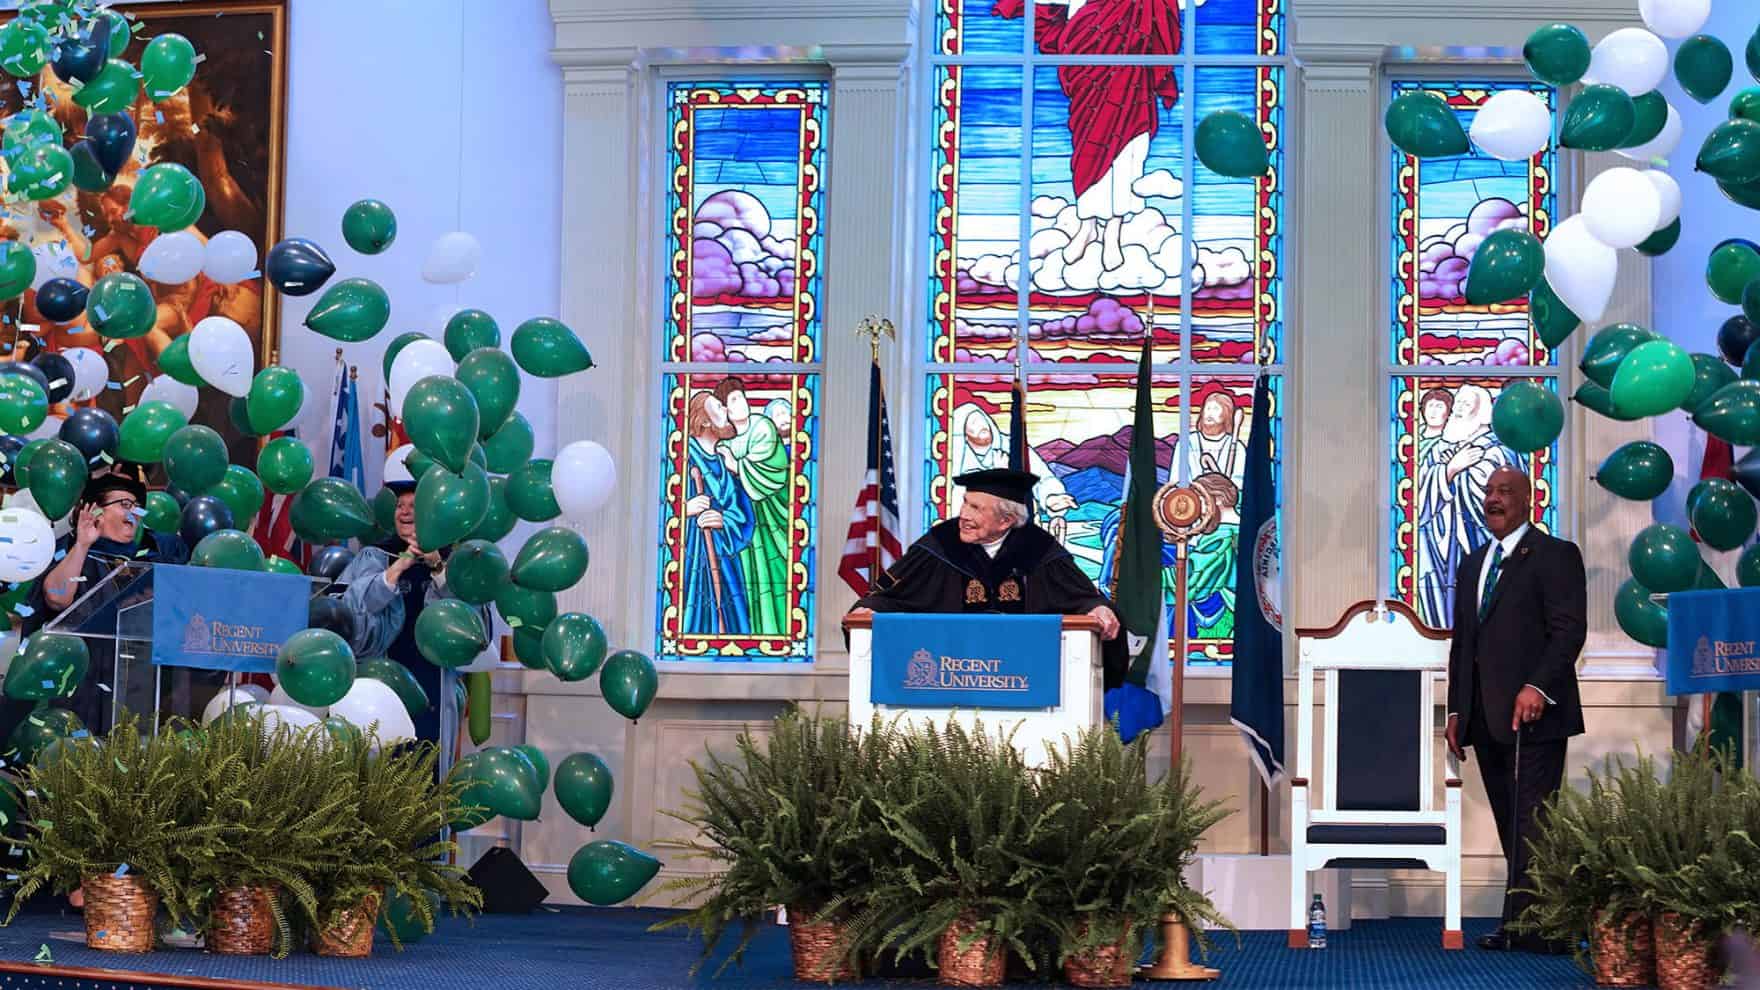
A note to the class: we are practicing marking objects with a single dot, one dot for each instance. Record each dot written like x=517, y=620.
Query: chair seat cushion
x=1380, y=835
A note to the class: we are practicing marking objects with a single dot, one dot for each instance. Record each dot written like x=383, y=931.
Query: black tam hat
x=123, y=478
x=401, y=487
x=1006, y=483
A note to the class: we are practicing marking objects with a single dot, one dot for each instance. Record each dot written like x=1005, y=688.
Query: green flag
x=1137, y=575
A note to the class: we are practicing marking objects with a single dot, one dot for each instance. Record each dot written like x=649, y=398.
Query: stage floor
x=610, y=948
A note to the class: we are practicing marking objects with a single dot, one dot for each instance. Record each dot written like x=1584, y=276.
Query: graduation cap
x=123, y=477
x=401, y=487
x=1004, y=483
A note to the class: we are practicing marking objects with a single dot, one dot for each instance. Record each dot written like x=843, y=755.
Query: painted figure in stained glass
x=1433, y=412
x=1215, y=446
x=719, y=525
x=1451, y=492
x=756, y=457
x=982, y=444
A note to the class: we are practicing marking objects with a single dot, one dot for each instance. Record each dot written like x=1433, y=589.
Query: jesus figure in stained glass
x=1451, y=495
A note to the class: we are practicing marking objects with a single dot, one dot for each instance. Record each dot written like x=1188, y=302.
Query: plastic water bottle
x=1317, y=924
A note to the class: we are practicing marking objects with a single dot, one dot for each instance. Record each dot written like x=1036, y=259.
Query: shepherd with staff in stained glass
x=719, y=525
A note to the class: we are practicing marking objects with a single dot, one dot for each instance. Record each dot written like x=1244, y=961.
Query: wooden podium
x=1035, y=730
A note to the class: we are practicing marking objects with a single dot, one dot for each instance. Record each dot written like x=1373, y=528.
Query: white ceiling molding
x=1340, y=30
x=600, y=32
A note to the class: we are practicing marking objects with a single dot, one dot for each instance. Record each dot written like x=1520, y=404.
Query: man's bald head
x=1507, y=500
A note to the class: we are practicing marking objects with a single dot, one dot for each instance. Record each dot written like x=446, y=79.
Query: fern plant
x=1581, y=838
x=1695, y=854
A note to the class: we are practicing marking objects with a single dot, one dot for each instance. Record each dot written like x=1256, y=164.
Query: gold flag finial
x=873, y=328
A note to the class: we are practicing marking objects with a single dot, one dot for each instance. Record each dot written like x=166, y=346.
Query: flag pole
x=873, y=328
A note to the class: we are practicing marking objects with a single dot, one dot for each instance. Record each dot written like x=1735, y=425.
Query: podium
x=1081, y=693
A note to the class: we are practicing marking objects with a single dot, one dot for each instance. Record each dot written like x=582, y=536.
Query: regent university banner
x=1712, y=640
x=221, y=619
x=967, y=661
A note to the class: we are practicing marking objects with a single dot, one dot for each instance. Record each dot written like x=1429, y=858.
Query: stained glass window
x=1450, y=360
x=1039, y=151
x=739, y=356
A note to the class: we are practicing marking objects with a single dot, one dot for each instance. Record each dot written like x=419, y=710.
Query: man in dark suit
x=1519, y=621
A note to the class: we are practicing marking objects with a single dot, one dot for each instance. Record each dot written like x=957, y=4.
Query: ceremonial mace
x=1182, y=512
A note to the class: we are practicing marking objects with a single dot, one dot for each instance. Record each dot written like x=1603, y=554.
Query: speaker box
x=507, y=886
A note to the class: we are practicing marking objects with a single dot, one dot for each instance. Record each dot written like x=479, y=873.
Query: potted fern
x=787, y=820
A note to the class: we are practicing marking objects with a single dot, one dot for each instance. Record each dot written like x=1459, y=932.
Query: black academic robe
x=1031, y=575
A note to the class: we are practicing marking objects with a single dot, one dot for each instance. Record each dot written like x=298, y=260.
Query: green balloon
x=398, y=343
x=1422, y=125
x=479, y=458
x=1732, y=414
x=274, y=399
x=1710, y=374
x=537, y=768
x=528, y=647
x=583, y=787
x=280, y=565
x=229, y=549
x=525, y=607
x=1664, y=558
x=1732, y=265
x=120, y=32
x=112, y=90
x=163, y=513
x=30, y=127
x=469, y=329
x=88, y=172
x=285, y=465
x=493, y=380
x=121, y=306
x=1527, y=416
x=23, y=404
x=21, y=463
x=499, y=520
x=449, y=506
x=1609, y=347
x=18, y=268
x=167, y=196
x=403, y=922
x=1752, y=55
x=58, y=476
x=241, y=491
x=529, y=494
x=146, y=430
x=1553, y=320
x=39, y=171
x=385, y=510
x=1599, y=400
x=48, y=665
x=330, y=509
x=174, y=361
x=167, y=65
x=340, y=730
x=1731, y=152
x=497, y=779
x=476, y=570
x=1748, y=567
x=1655, y=377
x=1649, y=117
x=628, y=681
x=609, y=872
x=1742, y=193
x=315, y=667
x=369, y=226
x=546, y=348
x=510, y=446
x=450, y=634
x=1724, y=514
x=1229, y=143
x=1704, y=67
x=1642, y=619
x=24, y=47
x=1639, y=471
x=399, y=679
x=1507, y=264
x=1662, y=241
x=195, y=459
x=552, y=559
x=39, y=729
x=1708, y=580
x=1746, y=104
x=440, y=415
x=418, y=464
x=1598, y=119
x=351, y=310
x=1557, y=54
x=574, y=646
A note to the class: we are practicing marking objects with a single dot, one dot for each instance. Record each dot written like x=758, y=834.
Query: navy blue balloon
x=93, y=432
x=59, y=371
x=27, y=369
x=89, y=173
x=202, y=515
x=330, y=562
x=298, y=266
x=9, y=448
x=112, y=136
x=1737, y=334
x=330, y=613
x=241, y=420
x=178, y=495
x=61, y=300
x=83, y=56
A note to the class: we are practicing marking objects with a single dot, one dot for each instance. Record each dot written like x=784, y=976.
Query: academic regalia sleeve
x=911, y=585
x=1067, y=589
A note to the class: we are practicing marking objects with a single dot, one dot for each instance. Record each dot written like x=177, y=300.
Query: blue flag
x=1256, y=705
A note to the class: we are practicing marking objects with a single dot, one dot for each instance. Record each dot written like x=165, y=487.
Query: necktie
x=1491, y=579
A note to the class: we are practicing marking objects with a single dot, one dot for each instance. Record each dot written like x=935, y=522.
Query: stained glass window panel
x=1443, y=208
x=1237, y=299
x=1104, y=27
x=738, y=516
x=1240, y=27
x=744, y=204
x=1444, y=453
x=978, y=27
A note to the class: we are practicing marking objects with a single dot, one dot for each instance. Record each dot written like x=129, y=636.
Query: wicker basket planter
x=818, y=948
x=1102, y=966
x=121, y=913
x=1624, y=951
x=242, y=921
x=982, y=963
x=351, y=935
x=1683, y=954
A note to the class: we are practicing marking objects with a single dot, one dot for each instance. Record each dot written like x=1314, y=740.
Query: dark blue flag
x=1256, y=706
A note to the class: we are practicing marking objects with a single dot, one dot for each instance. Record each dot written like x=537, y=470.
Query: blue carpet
x=609, y=948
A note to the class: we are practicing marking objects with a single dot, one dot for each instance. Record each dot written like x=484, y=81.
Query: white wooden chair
x=1380, y=664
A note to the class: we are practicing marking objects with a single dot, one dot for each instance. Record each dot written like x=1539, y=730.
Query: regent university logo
x=1715, y=657
x=927, y=671
x=225, y=639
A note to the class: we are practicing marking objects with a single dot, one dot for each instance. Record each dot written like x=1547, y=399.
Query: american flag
x=872, y=544
x=273, y=528
x=345, y=436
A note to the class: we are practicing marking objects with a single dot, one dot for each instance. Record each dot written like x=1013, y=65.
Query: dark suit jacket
x=1532, y=634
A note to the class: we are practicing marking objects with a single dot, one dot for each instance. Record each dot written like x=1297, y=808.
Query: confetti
x=44, y=955
x=104, y=688
x=24, y=610
x=121, y=870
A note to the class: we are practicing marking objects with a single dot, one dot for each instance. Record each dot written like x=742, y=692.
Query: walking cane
x=714, y=565
x=1515, y=818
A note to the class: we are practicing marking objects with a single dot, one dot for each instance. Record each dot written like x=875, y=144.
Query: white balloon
x=243, y=694
x=1631, y=58
x=90, y=372
x=583, y=477
x=1512, y=126
x=1620, y=207
x=1660, y=146
x=168, y=389
x=453, y=258
x=415, y=362
x=172, y=258
x=50, y=430
x=397, y=465
x=220, y=351
x=277, y=716
x=27, y=544
x=1668, y=193
x=369, y=701
x=1580, y=269
x=53, y=261
x=230, y=257
x=9, y=641
x=1675, y=18
x=279, y=696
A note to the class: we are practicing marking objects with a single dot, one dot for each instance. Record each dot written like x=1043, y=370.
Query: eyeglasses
x=128, y=504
